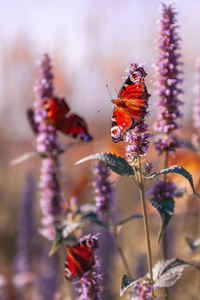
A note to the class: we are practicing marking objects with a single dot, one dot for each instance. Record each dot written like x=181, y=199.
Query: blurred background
x=91, y=43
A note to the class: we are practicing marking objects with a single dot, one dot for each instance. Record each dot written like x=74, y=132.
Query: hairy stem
x=164, y=237
x=115, y=236
x=146, y=228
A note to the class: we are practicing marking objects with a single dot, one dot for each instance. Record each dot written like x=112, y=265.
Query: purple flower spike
x=169, y=79
x=52, y=200
x=103, y=189
x=163, y=190
x=148, y=167
x=196, y=109
x=142, y=290
x=138, y=139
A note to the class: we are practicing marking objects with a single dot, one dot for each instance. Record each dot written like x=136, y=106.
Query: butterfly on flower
x=80, y=258
x=58, y=115
x=131, y=104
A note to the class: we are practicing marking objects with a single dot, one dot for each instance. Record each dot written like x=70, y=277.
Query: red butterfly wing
x=80, y=258
x=56, y=108
x=130, y=106
x=74, y=126
x=121, y=123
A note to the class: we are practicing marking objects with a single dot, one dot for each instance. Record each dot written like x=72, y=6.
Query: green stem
x=146, y=228
x=164, y=237
x=115, y=236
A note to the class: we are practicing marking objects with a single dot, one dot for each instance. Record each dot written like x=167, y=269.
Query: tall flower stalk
x=52, y=200
x=103, y=196
x=168, y=88
x=138, y=139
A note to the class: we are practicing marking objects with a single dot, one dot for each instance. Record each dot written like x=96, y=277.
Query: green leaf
x=117, y=164
x=165, y=207
x=166, y=273
x=26, y=156
x=57, y=242
x=92, y=219
x=126, y=283
x=175, y=169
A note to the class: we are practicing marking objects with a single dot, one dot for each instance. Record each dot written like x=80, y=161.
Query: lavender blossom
x=142, y=290
x=163, y=190
x=196, y=109
x=103, y=189
x=25, y=244
x=148, y=167
x=138, y=139
x=169, y=79
x=52, y=200
x=90, y=288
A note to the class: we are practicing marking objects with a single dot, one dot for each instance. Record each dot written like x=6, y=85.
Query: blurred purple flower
x=52, y=200
x=138, y=139
x=103, y=189
x=196, y=108
x=24, y=277
x=142, y=290
x=25, y=236
x=169, y=79
x=163, y=190
x=148, y=167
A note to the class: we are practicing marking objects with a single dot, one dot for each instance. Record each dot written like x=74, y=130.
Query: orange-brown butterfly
x=58, y=115
x=80, y=258
x=130, y=106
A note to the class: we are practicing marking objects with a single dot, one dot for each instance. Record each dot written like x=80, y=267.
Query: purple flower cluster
x=46, y=139
x=138, y=139
x=196, y=109
x=103, y=189
x=148, y=167
x=142, y=290
x=52, y=201
x=169, y=79
x=163, y=190
x=90, y=284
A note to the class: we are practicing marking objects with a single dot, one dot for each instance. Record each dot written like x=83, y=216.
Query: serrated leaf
x=165, y=208
x=92, y=219
x=166, y=273
x=117, y=164
x=126, y=283
x=121, y=223
x=57, y=242
x=175, y=169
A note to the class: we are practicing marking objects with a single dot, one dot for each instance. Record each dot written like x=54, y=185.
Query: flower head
x=142, y=290
x=169, y=79
x=103, y=189
x=52, y=200
x=139, y=141
x=163, y=190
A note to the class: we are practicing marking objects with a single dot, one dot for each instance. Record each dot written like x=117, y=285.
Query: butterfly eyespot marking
x=67, y=272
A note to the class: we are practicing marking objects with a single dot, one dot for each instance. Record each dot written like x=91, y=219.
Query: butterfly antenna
x=107, y=103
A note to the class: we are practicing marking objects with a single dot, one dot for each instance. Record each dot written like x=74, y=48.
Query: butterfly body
x=130, y=106
x=80, y=258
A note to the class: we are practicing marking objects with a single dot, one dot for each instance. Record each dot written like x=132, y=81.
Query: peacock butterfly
x=80, y=258
x=58, y=115
x=130, y=106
